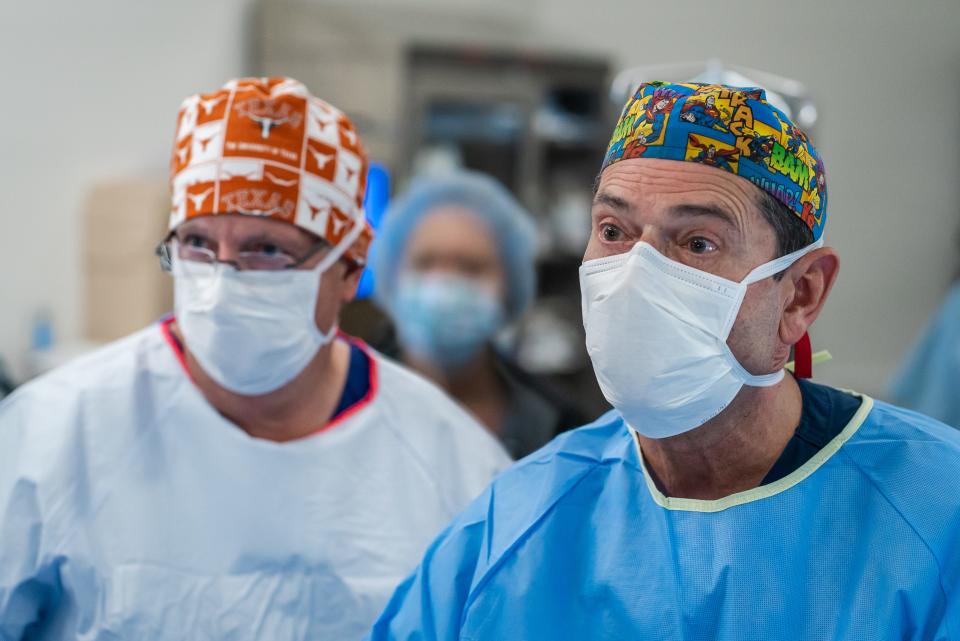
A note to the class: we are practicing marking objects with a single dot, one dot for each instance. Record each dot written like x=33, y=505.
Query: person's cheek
x=593, y=250
x=330, y=295
x=496, y=285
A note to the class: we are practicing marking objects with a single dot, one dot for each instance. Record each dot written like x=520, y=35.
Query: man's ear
x=351, y=281
x=812, y=277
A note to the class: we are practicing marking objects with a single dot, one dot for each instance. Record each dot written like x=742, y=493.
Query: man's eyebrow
x=713, y=211
x=261, y=237
x=266, y=238
x=186, y=229
x=614, y=202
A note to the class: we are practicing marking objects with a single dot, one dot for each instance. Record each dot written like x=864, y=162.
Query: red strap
x=174, y=343
x=803, y=358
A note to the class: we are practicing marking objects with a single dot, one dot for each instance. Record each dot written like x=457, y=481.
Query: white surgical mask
x=657, y=336
x=444, y=318
x=251, y=331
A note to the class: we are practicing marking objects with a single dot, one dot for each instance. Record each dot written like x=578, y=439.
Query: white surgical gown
x=130, y=509
x=574, y=542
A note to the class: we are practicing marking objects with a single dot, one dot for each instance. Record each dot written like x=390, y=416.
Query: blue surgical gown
x=574, y=542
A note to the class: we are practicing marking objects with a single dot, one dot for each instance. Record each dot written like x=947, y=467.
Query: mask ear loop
x=341, y=248
x=802, y=350
x=335, y=254
x=777, y=265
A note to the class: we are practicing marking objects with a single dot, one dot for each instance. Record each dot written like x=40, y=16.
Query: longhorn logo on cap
x=269, y=114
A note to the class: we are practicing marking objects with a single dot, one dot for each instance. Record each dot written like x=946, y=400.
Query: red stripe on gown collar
x=374, y=378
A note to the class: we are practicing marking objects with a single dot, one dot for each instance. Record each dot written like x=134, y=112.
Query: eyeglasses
x=245, y=261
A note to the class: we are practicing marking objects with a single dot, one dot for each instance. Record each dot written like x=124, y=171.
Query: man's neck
x=296, y=410
x=732, y=452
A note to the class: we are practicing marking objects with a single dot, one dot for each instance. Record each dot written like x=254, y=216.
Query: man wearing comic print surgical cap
x=723, y=497
x=241, y=469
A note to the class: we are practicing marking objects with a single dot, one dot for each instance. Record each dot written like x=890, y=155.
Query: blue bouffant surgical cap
x=509, y=222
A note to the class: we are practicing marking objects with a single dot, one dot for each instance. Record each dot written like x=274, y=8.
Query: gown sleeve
x=28, y=585
x=429, y=605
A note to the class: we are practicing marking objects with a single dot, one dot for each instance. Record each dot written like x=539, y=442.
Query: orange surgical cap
x=266, y=147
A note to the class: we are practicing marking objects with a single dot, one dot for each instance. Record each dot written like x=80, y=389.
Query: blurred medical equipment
x=374, y=205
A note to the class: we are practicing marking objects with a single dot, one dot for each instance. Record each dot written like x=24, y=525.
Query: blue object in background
x=927, y=379
x=375, y=203
x=42, y=335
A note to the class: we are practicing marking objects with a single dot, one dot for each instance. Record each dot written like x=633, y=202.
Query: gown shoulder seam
x=908, y=522
x=523, y=535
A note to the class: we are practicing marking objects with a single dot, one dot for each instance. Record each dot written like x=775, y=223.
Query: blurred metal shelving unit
x=520, y=116
x=539, y=123
x=438, y=89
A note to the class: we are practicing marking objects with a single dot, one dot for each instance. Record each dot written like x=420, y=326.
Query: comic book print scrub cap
x=734, y=129
x=266, y=147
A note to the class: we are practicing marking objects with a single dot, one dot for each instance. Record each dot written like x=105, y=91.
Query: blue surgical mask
x=445, y=319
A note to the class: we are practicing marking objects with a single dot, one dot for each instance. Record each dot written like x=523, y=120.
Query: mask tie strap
x=335, y=254
x=802, y=350
x=777, y=265
x=345, y=243
x=330, y=334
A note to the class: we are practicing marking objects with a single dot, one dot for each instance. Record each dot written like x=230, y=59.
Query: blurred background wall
x=91, y=89
x=90, y=92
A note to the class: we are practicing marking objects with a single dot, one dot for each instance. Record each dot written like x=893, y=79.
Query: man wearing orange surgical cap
x=241, y=469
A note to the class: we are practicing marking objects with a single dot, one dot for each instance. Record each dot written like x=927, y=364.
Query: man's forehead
x=451, y=229
x=678, y=209
x=635, y=181
x=245, y=225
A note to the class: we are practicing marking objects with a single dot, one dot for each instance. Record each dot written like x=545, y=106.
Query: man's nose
x=227, y=252
x=652, y=237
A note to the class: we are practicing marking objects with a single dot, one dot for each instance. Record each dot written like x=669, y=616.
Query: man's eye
x=475, y=268
x=610, y=233
x=194, y=241
x=701, y=245
x=266, y=249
